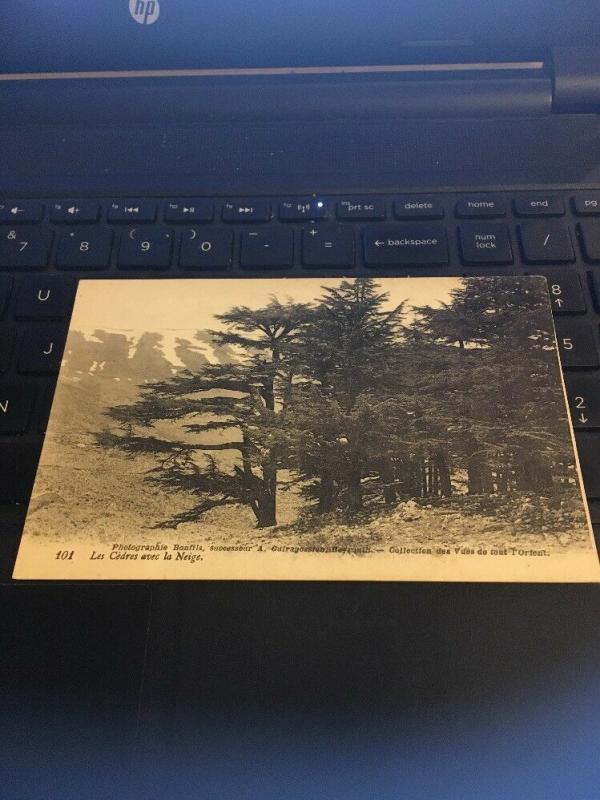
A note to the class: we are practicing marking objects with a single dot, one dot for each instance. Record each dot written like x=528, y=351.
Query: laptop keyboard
x=46, y=245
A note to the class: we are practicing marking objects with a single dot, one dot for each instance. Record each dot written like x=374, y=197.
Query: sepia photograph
x=327, y=429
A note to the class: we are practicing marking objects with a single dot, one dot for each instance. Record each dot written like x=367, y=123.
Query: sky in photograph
x=178, y=308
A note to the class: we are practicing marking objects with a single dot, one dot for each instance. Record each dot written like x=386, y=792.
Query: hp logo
x=146, y=12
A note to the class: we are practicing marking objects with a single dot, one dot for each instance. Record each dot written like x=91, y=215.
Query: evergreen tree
x=343, y=356
x=502, y=386
x=236, y=403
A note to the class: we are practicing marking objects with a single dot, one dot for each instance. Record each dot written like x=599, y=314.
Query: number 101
x=65, y=555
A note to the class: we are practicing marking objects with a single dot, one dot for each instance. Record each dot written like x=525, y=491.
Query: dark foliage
x=360, y=407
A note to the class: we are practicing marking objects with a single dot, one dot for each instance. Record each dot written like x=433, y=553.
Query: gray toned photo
x=332, y=429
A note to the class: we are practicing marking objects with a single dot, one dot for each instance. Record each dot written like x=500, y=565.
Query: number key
x=25, y=247
x=206, y=249
x=146, y=248
x=576, y=345
x=583, y=390
x=84, y=248
x=566, y=292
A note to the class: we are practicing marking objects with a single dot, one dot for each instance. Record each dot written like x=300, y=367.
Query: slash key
x=546, y=243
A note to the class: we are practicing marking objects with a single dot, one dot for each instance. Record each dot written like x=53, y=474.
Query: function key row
x=90, y=247
x=202, y=210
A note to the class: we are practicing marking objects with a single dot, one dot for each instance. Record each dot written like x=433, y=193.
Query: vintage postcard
x=310, y=429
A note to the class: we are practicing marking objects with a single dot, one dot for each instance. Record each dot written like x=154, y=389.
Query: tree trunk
x=423, y=480
x=443, y=470
x=533, y=473
x=501, y=482
x=267, y=502
x=386, y=471
x=326, y=493
x=479, y=475
x=355, y=488
x=429, y=478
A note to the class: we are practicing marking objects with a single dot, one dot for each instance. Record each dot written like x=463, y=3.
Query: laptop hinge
x=436, y=90
x=576, y=80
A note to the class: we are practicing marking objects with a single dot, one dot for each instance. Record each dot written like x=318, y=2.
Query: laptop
x=434, y=121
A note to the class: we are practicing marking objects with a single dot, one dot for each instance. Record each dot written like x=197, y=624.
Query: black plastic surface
x=73, y=35
x=444, y=692
x=70, y=672
x=576, y=79
x=293, y=157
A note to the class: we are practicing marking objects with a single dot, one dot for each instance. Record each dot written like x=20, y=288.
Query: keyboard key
x=587, y=204
x=18, y=211
x=178, y=211
x=267, y=248
x=590, y=240
x=44, y=298
x=206, y=249
x=41, y=349
x=566, y=292
x=588, y=448
x=594, y=283
x=5, y=290
x=546, y=242
x=25, y=247
x=480, y=207
x=539, y=206
x=43, y=407
x=576, y=344
x=328, y=246
x=300, y=210
x=417, y=207
x=146, y=248
x=132, y=211
x=485, y=243
x=361, y=209
x=72, y=211
x=84, y=248
x=405, y=245
x=16, y=403
x=251, y=211
x=7, y=346
x=583, y=391
x=18, y=465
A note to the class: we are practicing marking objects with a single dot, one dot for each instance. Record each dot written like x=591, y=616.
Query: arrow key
x=566, y=292
x=583, y=391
